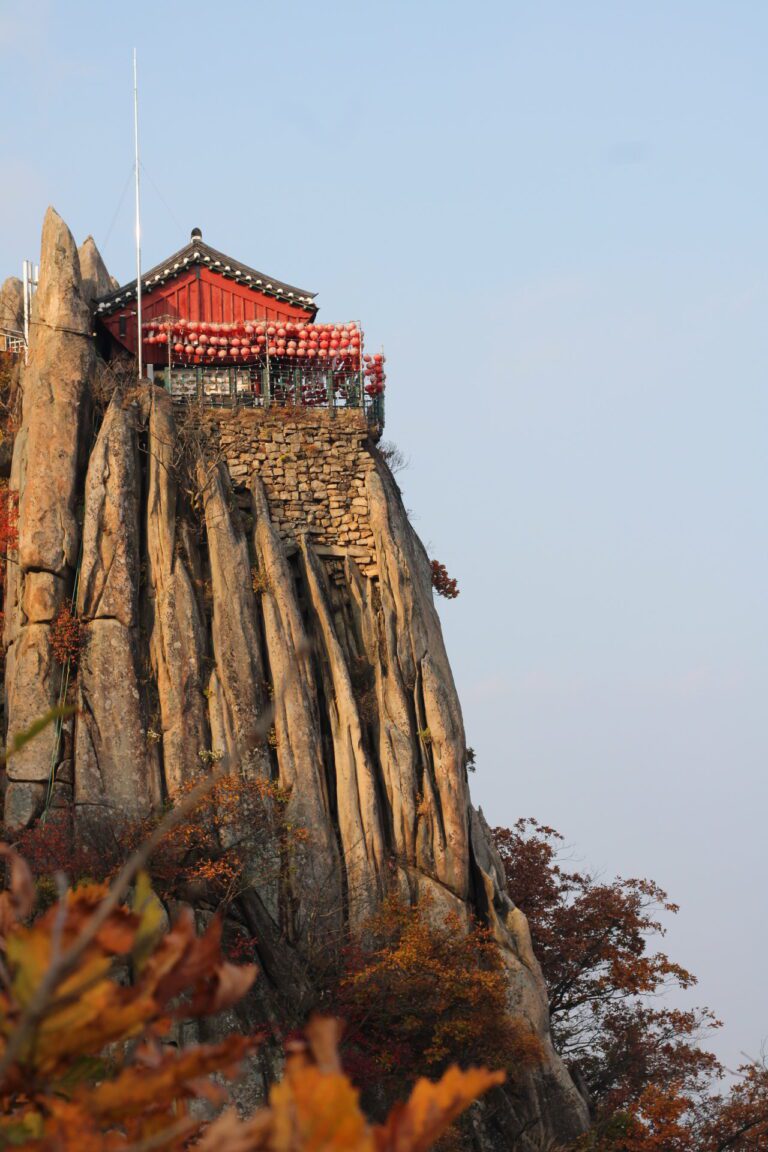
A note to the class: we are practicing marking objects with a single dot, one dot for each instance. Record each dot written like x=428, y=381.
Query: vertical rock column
x=176, y=637
x=422, y=744
x=46, y=461
x=357, y=796
x=316, y=877
x=115, y=766
x=237, y=689
x=96, y=279
x=11, y=317
x=12, y=304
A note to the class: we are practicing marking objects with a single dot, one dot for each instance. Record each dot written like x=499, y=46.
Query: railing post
x=360, y=377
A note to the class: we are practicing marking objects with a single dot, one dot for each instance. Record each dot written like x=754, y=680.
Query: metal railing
x=12, y=341
x=271, y=384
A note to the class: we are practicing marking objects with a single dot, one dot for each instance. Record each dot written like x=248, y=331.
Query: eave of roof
x=197, y=252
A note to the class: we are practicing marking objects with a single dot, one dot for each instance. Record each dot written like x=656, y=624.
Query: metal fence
x=12, y=341
x=272, y=384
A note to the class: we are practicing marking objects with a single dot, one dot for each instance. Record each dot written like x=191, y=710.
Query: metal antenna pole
x=139, y=331
x=27, y=289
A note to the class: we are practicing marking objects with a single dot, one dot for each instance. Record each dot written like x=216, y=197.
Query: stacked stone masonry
x=313, y=464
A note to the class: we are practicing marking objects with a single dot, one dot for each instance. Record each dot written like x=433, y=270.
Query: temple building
x=217, y=331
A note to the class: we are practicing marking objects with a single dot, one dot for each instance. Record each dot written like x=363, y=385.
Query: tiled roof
x=197, y=252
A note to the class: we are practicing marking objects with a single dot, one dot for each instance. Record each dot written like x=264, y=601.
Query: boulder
x=43, y=595
x=23, y=803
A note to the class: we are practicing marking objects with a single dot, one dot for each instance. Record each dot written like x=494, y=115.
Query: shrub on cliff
x=425, y=992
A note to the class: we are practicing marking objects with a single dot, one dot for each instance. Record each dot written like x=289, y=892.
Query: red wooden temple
x=216, y=330
x=197, y=283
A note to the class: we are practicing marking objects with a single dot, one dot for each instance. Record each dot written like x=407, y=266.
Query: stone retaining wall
x=313, y=464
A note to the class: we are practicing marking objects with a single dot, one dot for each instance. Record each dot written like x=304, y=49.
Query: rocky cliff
x=221, y=566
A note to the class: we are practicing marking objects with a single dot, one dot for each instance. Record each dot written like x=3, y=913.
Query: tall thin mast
x=139, y=332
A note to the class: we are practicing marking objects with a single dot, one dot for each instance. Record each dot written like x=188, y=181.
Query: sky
x=552, y=217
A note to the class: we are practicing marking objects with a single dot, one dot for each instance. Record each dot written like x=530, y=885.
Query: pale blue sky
x=553, y=216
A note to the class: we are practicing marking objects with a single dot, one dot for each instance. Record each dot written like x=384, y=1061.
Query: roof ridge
x=196, y=251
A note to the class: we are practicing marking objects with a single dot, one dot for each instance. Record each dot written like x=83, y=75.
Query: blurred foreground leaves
x=90, y=993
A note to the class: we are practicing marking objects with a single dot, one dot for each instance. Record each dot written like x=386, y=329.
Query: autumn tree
x=651, y=1085
x=420, y=991
x=737, y=1121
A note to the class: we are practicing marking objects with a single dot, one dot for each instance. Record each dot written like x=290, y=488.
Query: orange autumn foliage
x=88, y=994
x=652, y=1086
x=9, y=519
x=425, y=992
x=66, y=635
x=316, y=1109
x=442, y=582
x=239, y=828
x=65, y=999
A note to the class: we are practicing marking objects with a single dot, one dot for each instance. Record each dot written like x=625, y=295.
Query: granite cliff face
x=221, y=567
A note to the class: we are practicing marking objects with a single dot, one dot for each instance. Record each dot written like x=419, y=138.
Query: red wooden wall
x=197, y=294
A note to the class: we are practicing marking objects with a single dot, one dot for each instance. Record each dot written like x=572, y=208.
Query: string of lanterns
x=337, y=346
